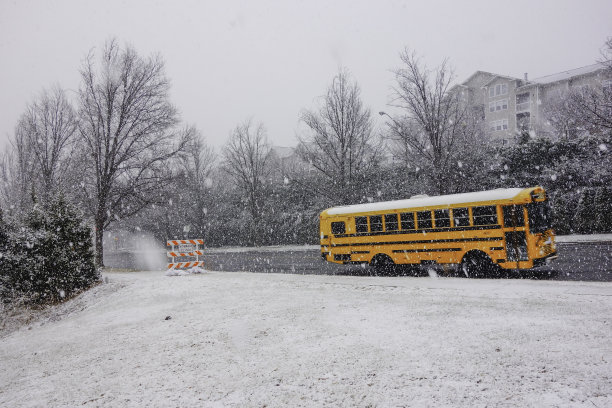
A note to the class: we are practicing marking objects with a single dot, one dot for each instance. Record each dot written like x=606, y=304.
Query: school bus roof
x=519, y=194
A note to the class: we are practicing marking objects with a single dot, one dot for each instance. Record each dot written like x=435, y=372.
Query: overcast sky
x=231, y=60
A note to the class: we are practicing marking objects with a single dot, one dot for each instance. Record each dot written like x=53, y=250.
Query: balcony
x=523, y=107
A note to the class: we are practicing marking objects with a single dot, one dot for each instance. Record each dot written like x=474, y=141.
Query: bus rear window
x=338, y=228
x=407, y=220
x=484, y=215
x=391, y=222
x=361, y=224
x=424, y=219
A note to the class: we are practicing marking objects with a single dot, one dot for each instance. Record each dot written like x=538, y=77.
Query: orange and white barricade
x=184, y=248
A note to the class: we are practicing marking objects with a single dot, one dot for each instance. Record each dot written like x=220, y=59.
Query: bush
x=50, y=257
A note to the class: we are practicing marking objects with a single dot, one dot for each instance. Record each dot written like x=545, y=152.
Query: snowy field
x=253, y=340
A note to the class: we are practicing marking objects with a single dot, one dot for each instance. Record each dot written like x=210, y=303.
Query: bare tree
x=582, y=111
x=186, y=200
x=340, y=143
x=606, y=54
x=433, y=118
x=199, y=161
x=41, y=144
x=246, y=157
x=15, y=176
x=590, y=107
x=21, y=169
x=560, y=116
x=194, y=182
x=129, y=129
x=585, y=110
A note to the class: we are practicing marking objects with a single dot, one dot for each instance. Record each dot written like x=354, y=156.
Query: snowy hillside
x=245, y=339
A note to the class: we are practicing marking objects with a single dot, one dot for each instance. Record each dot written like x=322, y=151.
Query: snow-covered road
x=248, y=339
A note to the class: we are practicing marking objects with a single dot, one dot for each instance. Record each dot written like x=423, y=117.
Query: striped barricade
x=184, y=248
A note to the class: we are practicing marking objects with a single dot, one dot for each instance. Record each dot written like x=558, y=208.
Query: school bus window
x=424, y=219
x=391, y=222
x=513, y=216
x=540, y=217
x=361, y=224
x=486, y=215
x=407, y=220
x=461, y=217
x=338, y=228
x=442, y=218
x=376, y=224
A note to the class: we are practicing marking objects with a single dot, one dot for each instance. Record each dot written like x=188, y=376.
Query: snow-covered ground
x=584, y=238
x=245, y=339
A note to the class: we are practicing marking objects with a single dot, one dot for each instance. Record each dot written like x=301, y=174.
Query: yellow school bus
x=481, y=231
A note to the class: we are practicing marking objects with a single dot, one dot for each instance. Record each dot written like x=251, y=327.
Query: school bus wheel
x=382, y=263
x=477, y=264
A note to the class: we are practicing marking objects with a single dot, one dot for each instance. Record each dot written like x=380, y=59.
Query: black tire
x=383, y=264
x=478, y=265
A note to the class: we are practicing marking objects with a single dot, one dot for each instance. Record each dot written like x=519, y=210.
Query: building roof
x=465, y=83
x=477, y=73
x=565, y=75
x=501, y=76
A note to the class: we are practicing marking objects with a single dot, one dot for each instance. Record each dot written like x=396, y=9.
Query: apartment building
x=510, y=106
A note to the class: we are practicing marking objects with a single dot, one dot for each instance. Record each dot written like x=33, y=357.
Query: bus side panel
x=335, y=245
x=324, y=233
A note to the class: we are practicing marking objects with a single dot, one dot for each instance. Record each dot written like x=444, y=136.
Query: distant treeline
x=119, y=152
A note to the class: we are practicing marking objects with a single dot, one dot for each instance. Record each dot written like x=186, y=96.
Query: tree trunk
x=99, y=241
x=255, y=219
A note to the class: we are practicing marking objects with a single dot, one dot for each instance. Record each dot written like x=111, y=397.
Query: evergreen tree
x=5, y=286
x=62, y=251
x=50, y=257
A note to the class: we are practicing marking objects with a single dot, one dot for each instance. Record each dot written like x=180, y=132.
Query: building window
x=502, y=104
x=522, y=102
x=501, y=124
x=497, y=90
x=523, y=121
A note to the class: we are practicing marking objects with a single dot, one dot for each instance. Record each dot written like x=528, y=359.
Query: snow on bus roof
x=490, y=195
